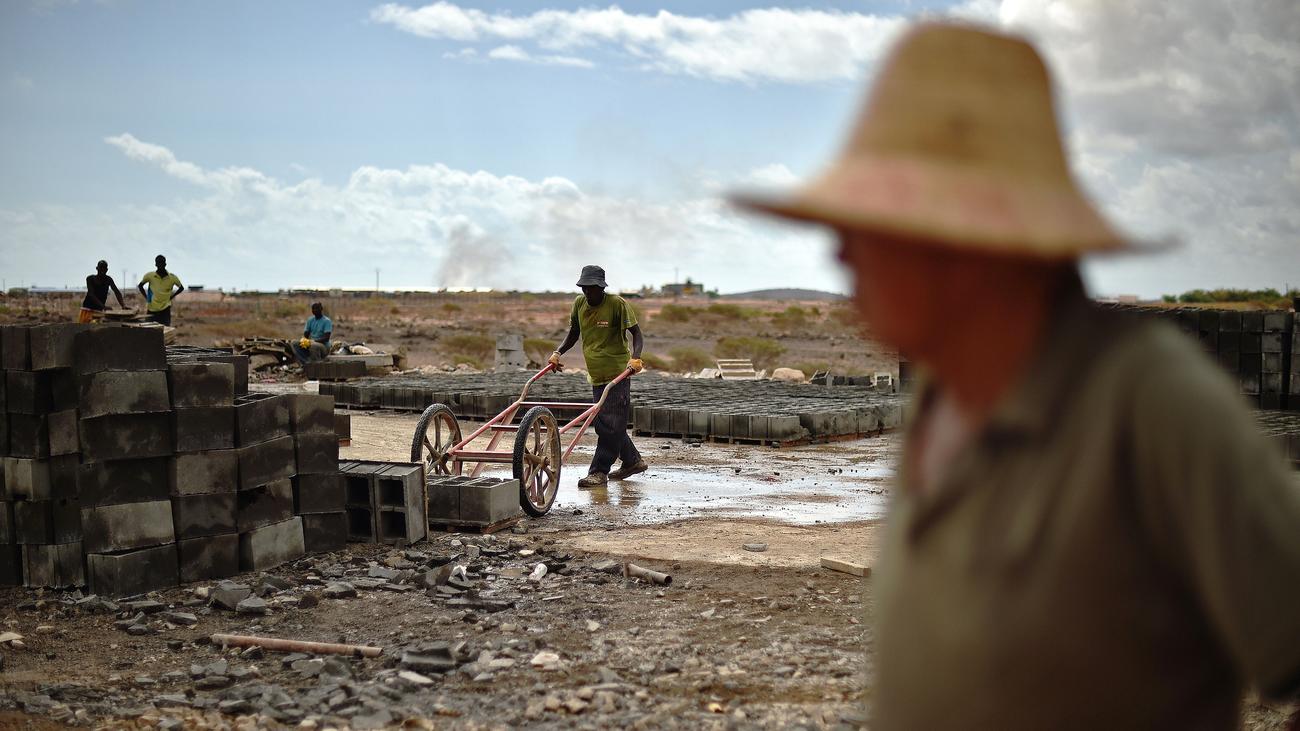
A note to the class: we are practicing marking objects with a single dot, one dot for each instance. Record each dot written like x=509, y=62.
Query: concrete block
x=211, y=557
x=314, y=494
x=4, y=432
x=324, y=532
x=54, y=566
x=361, y=524
x=133, y=572
x=123, y=392
x=15, y=349
x=203, y=473
x=11, y=565
x=270, y=546
x=1272, y=363
x=264, y=505
x=195, y=516
x=202, y=384
x=1270, y=342
x=64, y=434
x=266, y=462
x=63, y=476
x=8, y=530
x=47, y=521
x=1276, y=321
x=64, y=390
x=117, y=482
x=50, y=346
x=29, y=392
x=311, y=413
x=316, y=453
x=29, y=436
x=111, y=528
x=443, y=499
x=27, y=479
x=342, y=425
x=118, y=348
x=204, y=428
x=488, y=500
x=698, y=422
x=334, y=370
x=261, y=417
x=126, y=436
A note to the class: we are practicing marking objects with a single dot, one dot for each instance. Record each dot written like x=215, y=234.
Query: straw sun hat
x=957, y=145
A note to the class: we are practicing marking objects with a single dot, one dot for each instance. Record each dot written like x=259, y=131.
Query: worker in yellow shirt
x=160, y=294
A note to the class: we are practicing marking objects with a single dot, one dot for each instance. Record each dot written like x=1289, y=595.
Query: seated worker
x=601, y=320
x=315, y=344
x=96, y=299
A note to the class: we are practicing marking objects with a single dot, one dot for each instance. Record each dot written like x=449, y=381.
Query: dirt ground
x=450, y=328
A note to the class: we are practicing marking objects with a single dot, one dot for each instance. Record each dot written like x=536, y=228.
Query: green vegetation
x=730, y=311
x=1263, y=297
x=762, y=351
x=676, y=313
x=689, y=360
x=655, y=363
x=478, y=347
x=794, y=317
x=450, y=307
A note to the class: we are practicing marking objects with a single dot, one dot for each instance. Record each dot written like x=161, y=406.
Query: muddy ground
x=740, y=639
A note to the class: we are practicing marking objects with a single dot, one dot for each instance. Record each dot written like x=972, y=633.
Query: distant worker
x=96, y=299
x=601, y=320
x=1088, y=530
x=160, y=292
x=315, y=343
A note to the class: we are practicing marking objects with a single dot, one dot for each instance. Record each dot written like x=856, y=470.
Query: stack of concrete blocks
x=384, y=502
x=125, y=427
x=473, y=502
x=510, y=352
x=1293, y=370
x=1276, y=344
x=204, y=474
x=318, y=495
x=269, y=532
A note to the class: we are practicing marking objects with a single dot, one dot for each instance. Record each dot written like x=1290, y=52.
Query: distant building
x=684, y=289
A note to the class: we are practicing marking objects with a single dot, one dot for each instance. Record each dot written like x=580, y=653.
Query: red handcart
x=537, y=454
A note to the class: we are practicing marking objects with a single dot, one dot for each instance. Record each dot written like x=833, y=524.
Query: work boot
x=595, y=479
x=627, y=470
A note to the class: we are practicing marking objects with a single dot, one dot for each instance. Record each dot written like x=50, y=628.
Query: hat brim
x=963, y=209
x=588, y=282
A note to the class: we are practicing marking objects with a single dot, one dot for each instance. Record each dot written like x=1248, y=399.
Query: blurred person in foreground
x=1088, y=530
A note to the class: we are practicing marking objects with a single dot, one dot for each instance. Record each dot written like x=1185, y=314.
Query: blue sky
x=274, y=144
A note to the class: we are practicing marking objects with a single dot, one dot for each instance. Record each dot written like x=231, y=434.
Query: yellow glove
x=636, y=365
x=304, y=343
x=555, y=360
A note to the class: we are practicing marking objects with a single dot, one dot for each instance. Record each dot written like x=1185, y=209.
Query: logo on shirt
x=602, y=323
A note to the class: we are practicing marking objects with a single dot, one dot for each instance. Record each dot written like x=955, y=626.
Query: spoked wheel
x=537, y=461
x=435, y=435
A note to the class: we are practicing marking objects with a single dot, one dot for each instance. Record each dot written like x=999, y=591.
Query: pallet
x=496, y=527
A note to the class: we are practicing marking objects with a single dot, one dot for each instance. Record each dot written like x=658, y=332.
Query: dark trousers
x=162, y=317
x=612, y=439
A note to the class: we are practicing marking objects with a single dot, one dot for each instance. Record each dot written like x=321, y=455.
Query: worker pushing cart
x=601, y=320
x=538, y=454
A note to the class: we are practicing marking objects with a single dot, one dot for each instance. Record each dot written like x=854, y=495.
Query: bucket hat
x=957, y=145
x=592, y=276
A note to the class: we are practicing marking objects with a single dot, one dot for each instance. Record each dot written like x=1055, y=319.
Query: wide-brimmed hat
x=592, y=276
x=957, y=145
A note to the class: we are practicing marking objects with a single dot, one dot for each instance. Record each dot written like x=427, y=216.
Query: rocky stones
x=755, y=547
x=252, y=605
x=181, y=619
x=228, y=594
x=340, y=590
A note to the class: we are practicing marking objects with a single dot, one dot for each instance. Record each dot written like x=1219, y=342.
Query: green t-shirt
x=603, y=344
x=161, y=287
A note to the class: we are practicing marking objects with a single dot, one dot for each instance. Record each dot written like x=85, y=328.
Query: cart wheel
x=435, y=435
x=537, y=461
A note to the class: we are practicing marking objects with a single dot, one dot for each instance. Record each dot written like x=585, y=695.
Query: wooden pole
x=315, y=648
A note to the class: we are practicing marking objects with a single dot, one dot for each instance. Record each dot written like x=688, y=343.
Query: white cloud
x=515, y=53
x=769, y=44
x=425, y=225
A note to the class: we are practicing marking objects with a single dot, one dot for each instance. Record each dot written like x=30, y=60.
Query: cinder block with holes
x=400, y=504
x=486, y=501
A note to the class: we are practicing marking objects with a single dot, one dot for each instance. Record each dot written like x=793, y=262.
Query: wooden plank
x=846, y=567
